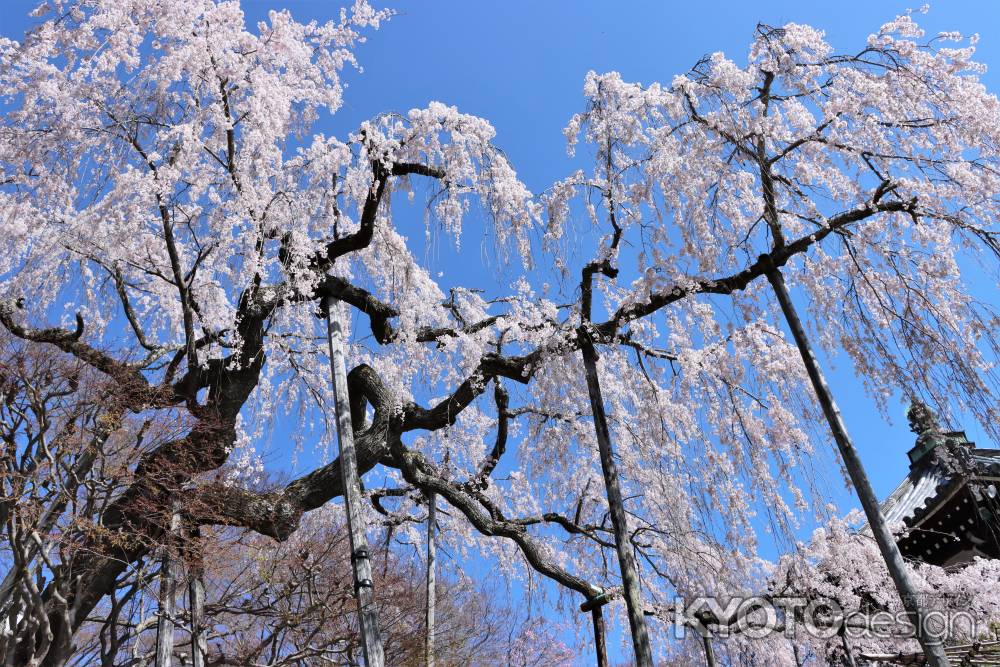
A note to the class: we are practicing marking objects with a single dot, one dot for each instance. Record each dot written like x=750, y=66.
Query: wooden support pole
x=933, y=648
x=371, y=640
x=600, y=642
x=199, y=647
x=706, y=641
x=168, y=591
x=196, y=601
x=597, y=601
x=616, y=507
x=431, y=579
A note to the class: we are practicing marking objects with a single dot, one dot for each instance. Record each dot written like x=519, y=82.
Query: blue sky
x=521, y=64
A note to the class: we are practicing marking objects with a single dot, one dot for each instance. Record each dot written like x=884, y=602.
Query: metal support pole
x=933, y=648
x=371, y=640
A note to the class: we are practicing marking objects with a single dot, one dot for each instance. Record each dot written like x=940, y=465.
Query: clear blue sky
x=521, y=64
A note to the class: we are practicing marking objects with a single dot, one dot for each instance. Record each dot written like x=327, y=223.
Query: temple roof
x=941, y=462
x=914, y=493
x=928, y=485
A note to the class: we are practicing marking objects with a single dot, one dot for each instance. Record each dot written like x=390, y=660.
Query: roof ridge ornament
x=924, y=422
x=922, y=418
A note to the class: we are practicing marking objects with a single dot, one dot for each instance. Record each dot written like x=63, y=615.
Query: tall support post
x=706, y=642
x=933, y=648
x=371, y=640
x=168, y=591
x=616, y=507
x=431, y=579
x=600, y=642
x=196, y=603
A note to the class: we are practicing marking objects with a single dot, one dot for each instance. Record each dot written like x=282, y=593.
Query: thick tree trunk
x=431, y=579
x=616, y=507
x=933, y=648
x=371, y=639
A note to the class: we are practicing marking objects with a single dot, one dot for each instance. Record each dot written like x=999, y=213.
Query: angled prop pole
x=934, y=652
x=371, y=639
x=616, y=507
x=706, y=642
